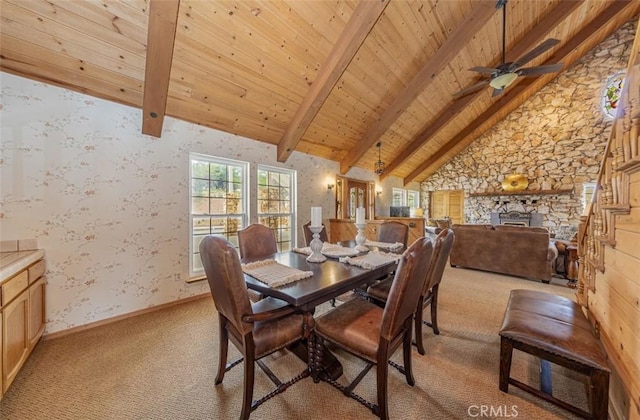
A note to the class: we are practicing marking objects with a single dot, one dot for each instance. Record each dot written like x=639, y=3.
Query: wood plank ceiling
x=327, y=78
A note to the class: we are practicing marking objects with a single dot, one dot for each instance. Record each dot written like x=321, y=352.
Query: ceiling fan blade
x=533, y=71
x=471, y=88
x=487, y=70
x=496, y=92
x=535, y=52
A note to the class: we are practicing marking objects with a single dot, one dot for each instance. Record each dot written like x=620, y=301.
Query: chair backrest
x=226, y=281
x=441, y=250
x=409, y=277
x=393, y=232
x=308, y=235
x=256, y=241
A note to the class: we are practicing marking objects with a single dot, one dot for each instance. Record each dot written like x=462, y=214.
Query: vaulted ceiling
x=327, y=78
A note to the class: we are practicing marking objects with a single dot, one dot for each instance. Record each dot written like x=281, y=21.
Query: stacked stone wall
x=556, y=139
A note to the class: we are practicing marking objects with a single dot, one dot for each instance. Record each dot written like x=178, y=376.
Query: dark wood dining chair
x=308, y=235
x=257, y=330
x=372, y=333
x=379, y=292
x=256, y=241
x=393, y=232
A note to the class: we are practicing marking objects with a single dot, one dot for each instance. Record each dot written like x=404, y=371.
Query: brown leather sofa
x=514, y=250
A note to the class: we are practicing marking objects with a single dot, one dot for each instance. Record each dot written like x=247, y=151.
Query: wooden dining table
x=330, y=279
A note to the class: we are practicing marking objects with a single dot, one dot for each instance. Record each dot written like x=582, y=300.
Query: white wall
x=110, y=205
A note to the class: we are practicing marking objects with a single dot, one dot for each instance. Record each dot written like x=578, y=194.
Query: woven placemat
x=274, y=274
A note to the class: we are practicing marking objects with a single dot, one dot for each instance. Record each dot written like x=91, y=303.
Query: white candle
x=316, y=216
x=360, y=215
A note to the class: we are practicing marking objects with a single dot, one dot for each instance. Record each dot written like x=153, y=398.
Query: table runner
x=372, y=259
x=274, y=274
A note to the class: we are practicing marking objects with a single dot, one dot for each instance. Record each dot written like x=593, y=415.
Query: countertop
x=12, y=262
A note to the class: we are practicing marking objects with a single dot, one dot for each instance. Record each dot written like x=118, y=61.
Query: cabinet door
x=15, y=338
x=36, y=311
x=448, y=204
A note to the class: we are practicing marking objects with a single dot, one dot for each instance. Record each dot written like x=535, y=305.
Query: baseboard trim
x=133, y=314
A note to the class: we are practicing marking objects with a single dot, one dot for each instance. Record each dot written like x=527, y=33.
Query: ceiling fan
x=506, y=73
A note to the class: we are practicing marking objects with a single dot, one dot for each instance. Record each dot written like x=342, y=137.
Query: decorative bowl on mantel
x=515, y=182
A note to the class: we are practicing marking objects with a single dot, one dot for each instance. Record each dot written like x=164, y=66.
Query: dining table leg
x=307, y=350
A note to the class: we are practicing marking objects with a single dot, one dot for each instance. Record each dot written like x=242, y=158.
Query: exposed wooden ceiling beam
x=364, y=17
x=163, y=17
x=514, y=97
x=556, y=16
x=474, y=21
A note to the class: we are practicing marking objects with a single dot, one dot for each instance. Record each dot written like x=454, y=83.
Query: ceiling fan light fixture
x=503, y=81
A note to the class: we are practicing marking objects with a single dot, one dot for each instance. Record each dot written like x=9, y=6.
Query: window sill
x=196, y=279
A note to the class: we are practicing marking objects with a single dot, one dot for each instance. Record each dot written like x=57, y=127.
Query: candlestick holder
x=316, y=245
x=360, y=238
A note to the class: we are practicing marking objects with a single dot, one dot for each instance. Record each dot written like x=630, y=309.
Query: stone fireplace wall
x=556, y=138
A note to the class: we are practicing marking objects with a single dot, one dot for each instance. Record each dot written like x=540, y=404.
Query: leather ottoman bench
x=554, y=329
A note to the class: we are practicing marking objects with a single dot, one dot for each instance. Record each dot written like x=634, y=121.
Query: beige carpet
x=162, y=366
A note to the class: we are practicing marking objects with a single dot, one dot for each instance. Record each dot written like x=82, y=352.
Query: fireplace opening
x=516, y=218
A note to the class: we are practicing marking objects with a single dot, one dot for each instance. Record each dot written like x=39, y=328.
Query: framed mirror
x=353, y=193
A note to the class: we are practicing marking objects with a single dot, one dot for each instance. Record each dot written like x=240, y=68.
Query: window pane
x=200, y=188
x=285, y=180
x=274, y=179
x=236, y=174
x=273, y=207
x=262, y=178
x=218, y=171
x=200, y=205
x=218, y=188
x=236, y=188
x=200, y=169
x=217, y=206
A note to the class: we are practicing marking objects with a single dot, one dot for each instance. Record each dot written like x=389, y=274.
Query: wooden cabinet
x=448, y=204
x=15, y=317
x=345, y=229
x=23, y=319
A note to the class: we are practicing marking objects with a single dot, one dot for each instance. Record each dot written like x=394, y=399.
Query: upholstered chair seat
x=374, y=334
x=274, y=334
x=355, y=326
x=380, y=290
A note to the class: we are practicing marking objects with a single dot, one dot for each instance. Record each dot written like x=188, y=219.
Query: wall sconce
x=378, y=192
x=330, y=186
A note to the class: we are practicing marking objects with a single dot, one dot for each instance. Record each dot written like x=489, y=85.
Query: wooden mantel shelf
x=523, y=192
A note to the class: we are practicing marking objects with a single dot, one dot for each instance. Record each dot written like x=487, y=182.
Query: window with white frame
x=398, y=197
x=218, y=202
x=276, y=203
x=413, y=199
x=401, y=197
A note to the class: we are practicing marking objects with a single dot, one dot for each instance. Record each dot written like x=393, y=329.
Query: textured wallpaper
x=110, y=205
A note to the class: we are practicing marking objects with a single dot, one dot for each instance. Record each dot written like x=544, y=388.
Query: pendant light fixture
x=380, y=166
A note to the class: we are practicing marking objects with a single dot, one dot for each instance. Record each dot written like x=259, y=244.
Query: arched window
x=611, y=94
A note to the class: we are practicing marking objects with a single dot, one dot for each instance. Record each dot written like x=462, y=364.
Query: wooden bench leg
x=599, y=394
x=506, y=352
